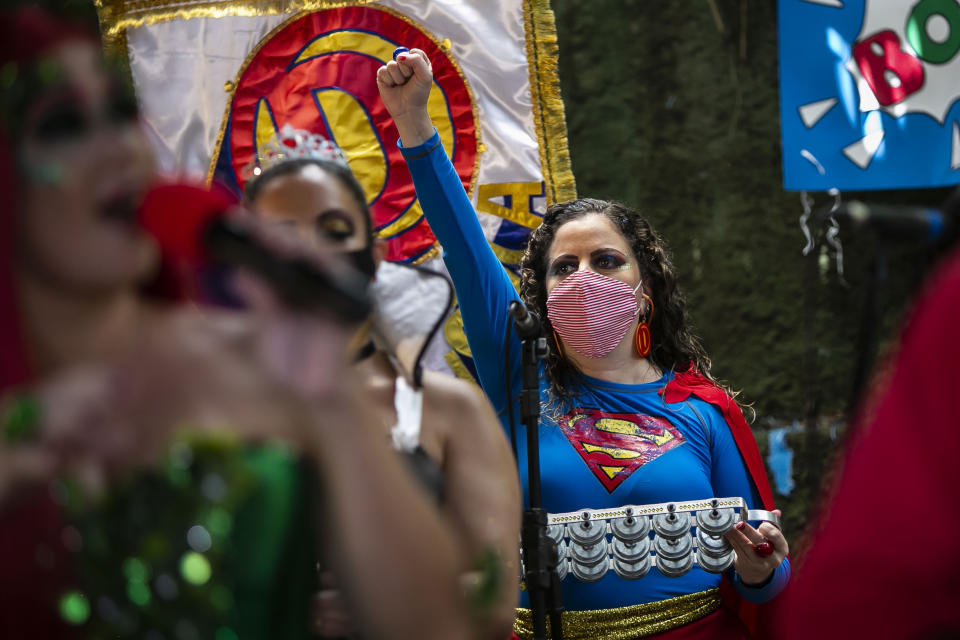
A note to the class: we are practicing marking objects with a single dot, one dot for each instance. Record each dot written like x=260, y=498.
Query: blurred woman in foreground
x=131, y=501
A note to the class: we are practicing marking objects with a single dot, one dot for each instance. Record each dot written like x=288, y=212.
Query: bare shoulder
x=461, y=410
x=451, y=394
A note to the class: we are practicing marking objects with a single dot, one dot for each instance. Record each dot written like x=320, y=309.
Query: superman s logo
x=614, y=445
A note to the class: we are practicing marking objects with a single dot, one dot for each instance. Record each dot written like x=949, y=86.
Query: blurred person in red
x=880, y=563
x=99, y=379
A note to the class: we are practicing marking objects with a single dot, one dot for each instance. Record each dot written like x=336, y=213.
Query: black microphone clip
x=525, y=321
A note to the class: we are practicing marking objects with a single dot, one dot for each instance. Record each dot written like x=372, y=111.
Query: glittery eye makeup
x=610, y=261
x=335, y=225
x=604, y=259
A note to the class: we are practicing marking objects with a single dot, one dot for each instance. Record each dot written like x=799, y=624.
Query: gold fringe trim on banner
x=115, y=51
x=627, y=623
x=118, y=15
x=548, y=115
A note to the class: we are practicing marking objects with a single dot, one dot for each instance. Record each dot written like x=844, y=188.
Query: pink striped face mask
x=592, y=312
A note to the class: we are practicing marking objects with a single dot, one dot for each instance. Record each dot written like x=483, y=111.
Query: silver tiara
x=292, y=144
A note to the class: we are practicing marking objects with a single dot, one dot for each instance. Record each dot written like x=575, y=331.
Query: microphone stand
x=540, y=556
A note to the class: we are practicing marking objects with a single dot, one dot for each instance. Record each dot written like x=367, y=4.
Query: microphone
x=525, y=321
x=899, y=221
x=190, y=225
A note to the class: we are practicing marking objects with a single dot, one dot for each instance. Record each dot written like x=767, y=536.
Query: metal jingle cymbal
x=714, y=564
x=630, y=528
x=589, y=573
x=563, y=569
x=674, y=568
x=632, y=570
x=556, y=532
x=587, y=531
x=673, y=548
x=588, y=554
x=630, y=551
x=715, y=521
x=713, y=545
x=672, y=525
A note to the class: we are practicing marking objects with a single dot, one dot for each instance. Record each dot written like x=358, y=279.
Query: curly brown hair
x=674, y=345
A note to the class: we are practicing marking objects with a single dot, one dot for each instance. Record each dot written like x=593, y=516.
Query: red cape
x=692, y=383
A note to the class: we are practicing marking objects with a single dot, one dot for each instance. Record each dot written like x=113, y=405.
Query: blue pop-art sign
x=869, y=93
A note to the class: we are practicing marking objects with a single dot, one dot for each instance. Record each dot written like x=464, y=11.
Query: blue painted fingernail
x=398, y=51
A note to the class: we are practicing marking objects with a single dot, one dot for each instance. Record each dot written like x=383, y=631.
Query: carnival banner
x=869, y=93
x=218, y=79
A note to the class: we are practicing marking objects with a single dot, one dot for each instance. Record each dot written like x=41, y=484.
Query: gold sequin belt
x=626, y=623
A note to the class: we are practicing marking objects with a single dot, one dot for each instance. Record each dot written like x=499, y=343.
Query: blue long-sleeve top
x=614, y=444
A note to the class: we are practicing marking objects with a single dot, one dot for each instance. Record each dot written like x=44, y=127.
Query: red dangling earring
x=642, y=340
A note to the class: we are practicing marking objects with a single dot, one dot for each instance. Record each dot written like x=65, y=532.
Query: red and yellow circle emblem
x=317, y=72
